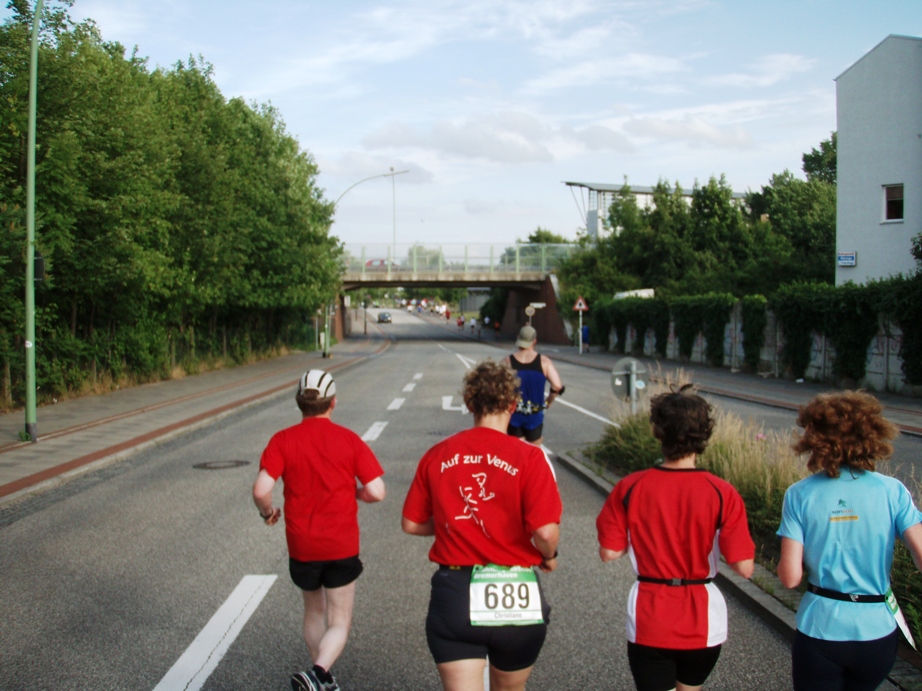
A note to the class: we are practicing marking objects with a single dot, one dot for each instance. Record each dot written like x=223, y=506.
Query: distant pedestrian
x=473, y=324
x=496, y=326
x=534, y=371
x=585, y=334
x=319, y=462
x=839, y=527
x=447, y=315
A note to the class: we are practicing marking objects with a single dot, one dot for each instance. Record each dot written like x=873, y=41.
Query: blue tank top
x=530, y=411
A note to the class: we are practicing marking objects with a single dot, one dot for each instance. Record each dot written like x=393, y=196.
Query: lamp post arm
x=383, y=175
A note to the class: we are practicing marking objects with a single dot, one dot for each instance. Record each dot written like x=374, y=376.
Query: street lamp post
x=31, y=421
x=394, y=196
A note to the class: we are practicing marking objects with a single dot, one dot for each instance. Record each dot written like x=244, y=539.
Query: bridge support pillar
x=548, y=321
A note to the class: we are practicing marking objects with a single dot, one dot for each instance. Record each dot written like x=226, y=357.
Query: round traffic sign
x=530, y=311
x=621, y=377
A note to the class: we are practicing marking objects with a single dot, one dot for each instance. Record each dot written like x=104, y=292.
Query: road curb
x=60, y=474
x=750, y=595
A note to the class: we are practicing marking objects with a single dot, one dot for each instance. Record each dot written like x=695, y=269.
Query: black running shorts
x=658, y=669
x=451, y=636
x=820, y=665
x=310, y=575
x=530, y=435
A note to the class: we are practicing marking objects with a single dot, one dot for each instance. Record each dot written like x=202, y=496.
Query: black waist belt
x=675, y=581
x=844, y=597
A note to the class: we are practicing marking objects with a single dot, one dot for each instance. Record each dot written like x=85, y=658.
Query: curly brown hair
x=311, y=405
x=490, y=388
x=844, y=429
x=682, y=422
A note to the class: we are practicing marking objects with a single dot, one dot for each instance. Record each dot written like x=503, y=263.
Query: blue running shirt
x=847, y=526
x=530, y=411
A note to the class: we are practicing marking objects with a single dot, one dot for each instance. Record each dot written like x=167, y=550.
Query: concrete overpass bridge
x=450, y=265
x=527, y=270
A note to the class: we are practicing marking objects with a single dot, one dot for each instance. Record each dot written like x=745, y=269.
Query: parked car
x=384, y=317
x=381, y=265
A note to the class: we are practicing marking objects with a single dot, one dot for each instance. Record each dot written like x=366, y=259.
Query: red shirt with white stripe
x=319, y=461
x=487, y=492
x=675, y=523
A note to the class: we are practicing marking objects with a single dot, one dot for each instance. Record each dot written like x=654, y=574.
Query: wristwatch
x=559, y=392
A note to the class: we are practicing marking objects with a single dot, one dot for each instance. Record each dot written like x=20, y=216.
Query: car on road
x=384, y=317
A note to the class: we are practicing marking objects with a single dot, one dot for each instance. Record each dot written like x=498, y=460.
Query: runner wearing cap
x=534, y=370
x=492, y=504
x=319, y=461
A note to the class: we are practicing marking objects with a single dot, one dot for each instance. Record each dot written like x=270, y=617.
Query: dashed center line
x=409, y=387
x=374, y=431
x=418, y=375
x=194, y=666
x=396, y=403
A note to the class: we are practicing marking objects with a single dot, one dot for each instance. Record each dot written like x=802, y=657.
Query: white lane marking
x=396, y=403
x=409, y=387
x=418, y=375
x=444, y=348
x=547, y=457
x=374, y=431
x=194, y=666
x=446, y=404
x=586, y=412
x=463, y=360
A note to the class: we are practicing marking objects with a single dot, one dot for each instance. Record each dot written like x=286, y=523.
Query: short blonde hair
x=490, y=388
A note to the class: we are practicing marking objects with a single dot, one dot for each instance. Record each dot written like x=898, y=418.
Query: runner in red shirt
x=492, y=503
x=675, y=520
x=319, y=462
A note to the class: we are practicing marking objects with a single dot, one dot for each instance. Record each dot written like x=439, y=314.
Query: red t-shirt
x=488, y=493
x=675, y=523
x=318, y=461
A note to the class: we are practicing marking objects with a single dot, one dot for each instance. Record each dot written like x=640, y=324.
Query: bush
x=708, y=314
x=755, y=317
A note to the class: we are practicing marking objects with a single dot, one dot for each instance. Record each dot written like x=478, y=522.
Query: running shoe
x=306, y=681
x=326, y=685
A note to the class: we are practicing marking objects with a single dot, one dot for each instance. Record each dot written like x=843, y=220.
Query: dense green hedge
x=708, y=314
x=849, y=315
x=755, y=318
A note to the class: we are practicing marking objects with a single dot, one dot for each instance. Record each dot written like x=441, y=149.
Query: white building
x=879, y=116
x=602, y=194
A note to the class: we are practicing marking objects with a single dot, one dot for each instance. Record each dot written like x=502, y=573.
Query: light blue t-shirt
x=847, y=526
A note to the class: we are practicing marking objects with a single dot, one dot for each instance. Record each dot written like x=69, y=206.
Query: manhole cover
x=220, y=465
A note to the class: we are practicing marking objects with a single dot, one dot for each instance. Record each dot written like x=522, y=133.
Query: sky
x=492, y=104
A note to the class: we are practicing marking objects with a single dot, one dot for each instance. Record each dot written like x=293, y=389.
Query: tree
x=820, y=164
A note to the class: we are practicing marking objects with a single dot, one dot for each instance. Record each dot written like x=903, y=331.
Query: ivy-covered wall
x=853, y=335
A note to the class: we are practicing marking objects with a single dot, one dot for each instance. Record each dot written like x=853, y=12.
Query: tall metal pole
x=394, y=196
x=31, y=421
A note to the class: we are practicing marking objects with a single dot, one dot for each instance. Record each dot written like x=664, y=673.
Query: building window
x=893, y=202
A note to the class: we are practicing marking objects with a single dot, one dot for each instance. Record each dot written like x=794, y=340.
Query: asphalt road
x=106, y=581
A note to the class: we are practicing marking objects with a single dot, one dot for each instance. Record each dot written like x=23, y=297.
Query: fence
x=453, y=259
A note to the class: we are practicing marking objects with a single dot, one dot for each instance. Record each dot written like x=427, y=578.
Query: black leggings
x=820, y=665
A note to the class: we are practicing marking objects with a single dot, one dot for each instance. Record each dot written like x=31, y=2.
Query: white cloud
x=510, y=137
x=481, y=207
x=632, y=67
x=769, y=70
x=692, y=130
x=355, y=166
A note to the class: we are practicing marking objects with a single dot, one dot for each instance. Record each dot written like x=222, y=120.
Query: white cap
x=319, y=381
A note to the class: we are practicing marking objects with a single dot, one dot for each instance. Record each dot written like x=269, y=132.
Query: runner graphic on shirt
x=470, y=504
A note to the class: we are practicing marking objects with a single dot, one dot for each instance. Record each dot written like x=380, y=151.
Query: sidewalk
x=779, y=393
x=80, y=434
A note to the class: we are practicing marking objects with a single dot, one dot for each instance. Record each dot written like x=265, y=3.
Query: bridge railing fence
x=481, y=258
